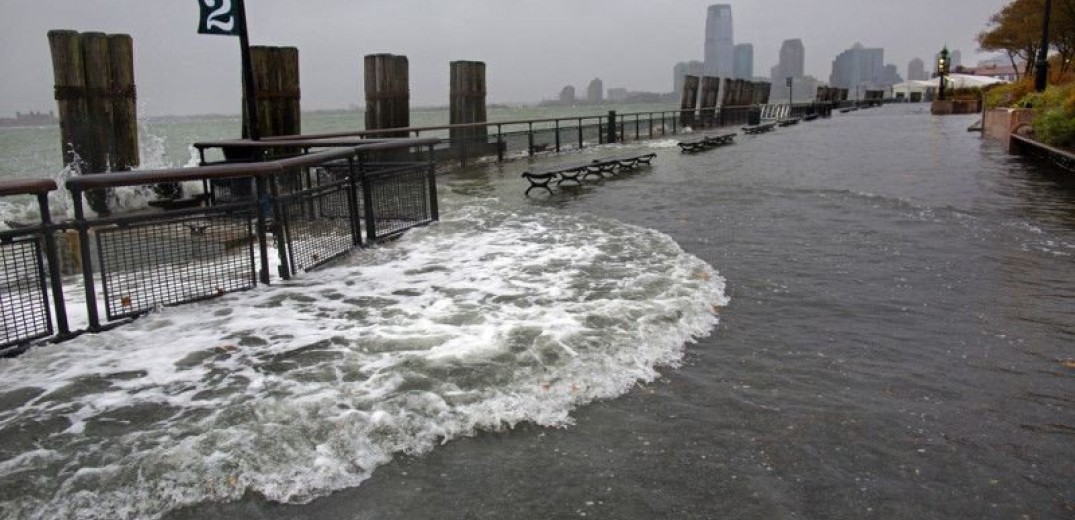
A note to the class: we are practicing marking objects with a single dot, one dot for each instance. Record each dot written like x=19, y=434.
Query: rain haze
x=532, y=47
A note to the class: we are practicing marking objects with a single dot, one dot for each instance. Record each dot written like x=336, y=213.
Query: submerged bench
x=577, y=172
x=759, y=129
x=788, y=121
x=706, y=142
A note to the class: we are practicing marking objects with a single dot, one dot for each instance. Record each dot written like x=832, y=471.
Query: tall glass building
x=719, y=45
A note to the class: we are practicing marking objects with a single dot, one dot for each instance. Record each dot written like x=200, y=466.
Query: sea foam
x=486, y=319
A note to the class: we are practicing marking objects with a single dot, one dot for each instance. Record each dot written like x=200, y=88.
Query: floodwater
x=896, y=304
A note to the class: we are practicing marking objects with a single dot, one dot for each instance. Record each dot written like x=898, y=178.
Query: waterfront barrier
x=1024, y=145
x=502, y=140
x=305, y=209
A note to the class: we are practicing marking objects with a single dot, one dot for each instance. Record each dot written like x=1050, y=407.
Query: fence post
x=281, y=230
x=352, y=202
x=499, y=143
x=367, y=201
x=557, y=136
x=63, y=330
x=263, y=205
x=612, y=126
x=434, y=208
x=530, y=137
x=87, y=262
x=580, y=133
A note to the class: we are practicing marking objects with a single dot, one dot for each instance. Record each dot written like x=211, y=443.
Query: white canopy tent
x=952, y=81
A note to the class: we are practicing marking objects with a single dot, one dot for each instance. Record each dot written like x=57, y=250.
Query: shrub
x=1054, y=122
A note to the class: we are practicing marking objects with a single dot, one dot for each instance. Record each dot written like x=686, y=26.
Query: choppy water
x=897, y=345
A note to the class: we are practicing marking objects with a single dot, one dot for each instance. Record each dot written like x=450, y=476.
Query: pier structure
x=689, y=101
x=467, y=105
x=388, y=94
x=95, y=96
x=709, y=99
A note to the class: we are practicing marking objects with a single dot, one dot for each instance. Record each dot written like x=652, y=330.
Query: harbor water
x=867, y=316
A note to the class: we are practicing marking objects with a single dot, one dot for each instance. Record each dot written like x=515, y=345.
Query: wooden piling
x=467, y=104
x=68, y=77
x=765, y=89
x=689, y=100
x=124, y=105
x=95, y=97
x=709, y=99
x=277, y=92
x=387, y=93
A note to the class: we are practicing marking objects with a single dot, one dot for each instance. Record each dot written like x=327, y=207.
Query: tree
x=1062, y=32
x=1016, y=30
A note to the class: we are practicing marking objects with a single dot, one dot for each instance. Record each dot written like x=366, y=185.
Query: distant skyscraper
x=957, y=59
x=858, y=67
x=792, y=61
x=683, y=68
x=719, y=45
x=595, y=93
x=743, y=61
x=916, y=70
x=567, y=95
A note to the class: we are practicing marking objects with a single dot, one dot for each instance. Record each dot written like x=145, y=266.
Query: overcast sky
x=532, y=48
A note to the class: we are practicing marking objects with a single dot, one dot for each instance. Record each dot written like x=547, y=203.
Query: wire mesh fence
x=154, y=263
x=24, y=313
x=321, y=223
x=397, y=199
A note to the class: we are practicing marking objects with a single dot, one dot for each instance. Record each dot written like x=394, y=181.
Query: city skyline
x=180, y=72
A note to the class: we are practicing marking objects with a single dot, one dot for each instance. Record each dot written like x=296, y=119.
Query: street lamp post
x=1041, y=68
x=942, y=70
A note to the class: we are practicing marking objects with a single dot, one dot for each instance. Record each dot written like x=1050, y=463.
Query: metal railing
x=30, y=266
x=308, y=208
x=528, y=137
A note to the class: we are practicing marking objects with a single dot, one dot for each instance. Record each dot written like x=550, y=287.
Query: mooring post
x=612, y=126
x=69, y=78
x=467, y=105
x=689, y=100
x=388, y=94
x=95, y=97
x=710, y=92
x=124, y=102
x=277, y=94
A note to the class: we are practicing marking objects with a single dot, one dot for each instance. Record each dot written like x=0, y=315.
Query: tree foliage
x=1016, y=30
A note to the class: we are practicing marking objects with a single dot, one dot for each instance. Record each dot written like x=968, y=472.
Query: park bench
x=706, y=142
x=576, y=172
x=788, y=121
x=759, y=129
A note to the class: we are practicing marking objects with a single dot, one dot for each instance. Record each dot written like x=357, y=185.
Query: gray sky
x=532, y=48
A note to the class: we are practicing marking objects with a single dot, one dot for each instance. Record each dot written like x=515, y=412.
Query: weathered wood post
x=124, y=107
x=467, y=105
x=689, y=101
x=69, y=78
x=277, y=96
x=277, y=93
x=95, y=95
x=612, y=127
x=710, y=92
x=388, y=94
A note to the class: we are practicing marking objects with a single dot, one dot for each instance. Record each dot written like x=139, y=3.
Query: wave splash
x=482, y=321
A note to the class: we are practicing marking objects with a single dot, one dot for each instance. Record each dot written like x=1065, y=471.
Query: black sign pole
x=253, y=129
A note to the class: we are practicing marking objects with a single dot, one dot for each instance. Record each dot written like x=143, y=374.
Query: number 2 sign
x=219, y=17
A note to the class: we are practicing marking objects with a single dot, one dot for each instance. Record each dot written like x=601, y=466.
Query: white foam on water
x=482, y=321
